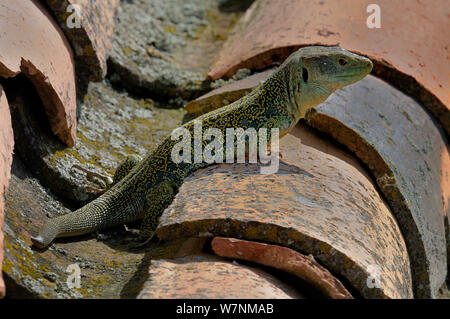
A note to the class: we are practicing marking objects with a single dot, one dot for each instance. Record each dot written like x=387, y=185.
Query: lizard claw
x=94, y=190
x=140, y=245
x=103, y=181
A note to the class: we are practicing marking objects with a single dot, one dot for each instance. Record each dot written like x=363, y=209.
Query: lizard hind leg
x=157, y=199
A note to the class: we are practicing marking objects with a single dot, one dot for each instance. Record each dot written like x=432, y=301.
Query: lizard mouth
x=359, y=73
x=348, y=75
x=353, y=76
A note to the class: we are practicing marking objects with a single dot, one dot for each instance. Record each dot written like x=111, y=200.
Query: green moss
x=325, y=248
x=88, y=51
x=127, y=51
x=170, y=29
x=272, y=234
x=146, y=104
x=25, y=263
x=296, y=236
x=251, y=232
x=407, y=115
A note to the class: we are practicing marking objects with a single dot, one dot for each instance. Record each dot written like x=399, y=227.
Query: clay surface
x=92, y=38
x=210, y=277
x=6, y=150
x=409, y=51
x=38, y=48
x=400, y=143
x=316, y=204
x=285, y=259
x=408, y=156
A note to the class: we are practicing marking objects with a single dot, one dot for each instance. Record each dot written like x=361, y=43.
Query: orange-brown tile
x=32, y=43
x=6, y=150
x=210, y=277
x=401, y=146
x=285, y=259
x=405, y=151
x=316, y=204
x=410, y=50
x=93, y=38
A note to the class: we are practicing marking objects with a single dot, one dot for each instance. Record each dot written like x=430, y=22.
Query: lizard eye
x=305, y=75
x=342, y=61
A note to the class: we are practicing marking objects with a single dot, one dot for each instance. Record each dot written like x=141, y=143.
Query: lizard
x=142, y=189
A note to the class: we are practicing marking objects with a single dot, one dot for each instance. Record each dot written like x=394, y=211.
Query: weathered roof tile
x=404, y=149
x=410, y=49
x=38, y=48
x=92, y=39
x=406, y=152
x=286, y=259
x=210, y=277
x=315, y=203
x=6, y=150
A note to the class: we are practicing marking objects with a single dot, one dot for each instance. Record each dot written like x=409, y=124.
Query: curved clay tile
x=410, y=50
x=6, y=150
x=286, y=259
x=225, y=94
x=93, y=39
x=210, y=277
x=37, y=48
x=404, y=150
x=316, y=203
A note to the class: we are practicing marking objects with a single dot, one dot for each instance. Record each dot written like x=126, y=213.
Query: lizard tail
x=71, y=224
x=47, y=234
x=85, y=220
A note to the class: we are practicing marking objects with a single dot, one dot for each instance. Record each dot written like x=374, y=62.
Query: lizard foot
x=103, y=181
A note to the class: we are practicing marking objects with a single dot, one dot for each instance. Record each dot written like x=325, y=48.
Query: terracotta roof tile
x=284, y=259
x=38, y=48
x=410, y=50
x=403, y=149
x=225, y=94
x=316, y=204
x=406, y=152
x=6, y=150
x=210, y=277
x=93, y=39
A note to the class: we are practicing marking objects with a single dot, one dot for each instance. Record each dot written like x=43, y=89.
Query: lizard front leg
x=157, y=199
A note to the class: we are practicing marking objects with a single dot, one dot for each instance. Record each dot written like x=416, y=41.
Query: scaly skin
x=144, y=190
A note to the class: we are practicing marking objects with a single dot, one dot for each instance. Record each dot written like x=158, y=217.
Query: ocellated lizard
x=143, y=189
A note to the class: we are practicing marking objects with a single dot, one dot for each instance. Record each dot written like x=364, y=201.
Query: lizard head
x=316, y=72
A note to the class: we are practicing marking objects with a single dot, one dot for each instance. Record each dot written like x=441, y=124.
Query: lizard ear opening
x=305, y=75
